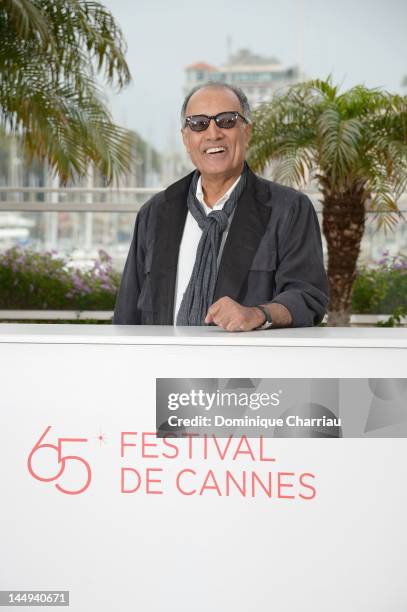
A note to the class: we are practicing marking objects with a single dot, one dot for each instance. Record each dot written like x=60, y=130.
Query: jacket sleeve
x=126, y=311
x=301, y=281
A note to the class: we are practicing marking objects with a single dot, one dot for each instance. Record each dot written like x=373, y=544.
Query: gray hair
x=239, y=93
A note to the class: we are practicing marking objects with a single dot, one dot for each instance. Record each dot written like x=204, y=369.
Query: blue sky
x=357, y=41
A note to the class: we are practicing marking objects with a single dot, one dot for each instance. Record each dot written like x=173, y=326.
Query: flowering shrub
x=381, y=289
x=44, y=281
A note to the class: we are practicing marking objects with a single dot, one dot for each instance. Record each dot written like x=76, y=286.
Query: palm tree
x=54, y=57
x=354, y=145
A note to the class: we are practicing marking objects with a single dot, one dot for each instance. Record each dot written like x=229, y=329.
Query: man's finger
x=232, y=327
x=222, y=321
x=213, y=311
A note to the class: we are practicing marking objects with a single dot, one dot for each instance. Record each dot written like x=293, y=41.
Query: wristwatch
x=269, y=321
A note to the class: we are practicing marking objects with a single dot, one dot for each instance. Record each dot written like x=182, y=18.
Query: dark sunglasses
x=226, y=120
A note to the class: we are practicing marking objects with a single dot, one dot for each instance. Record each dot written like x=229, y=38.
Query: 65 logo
x=63, y=461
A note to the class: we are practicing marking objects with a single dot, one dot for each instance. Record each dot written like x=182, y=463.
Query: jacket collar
x=247, y=228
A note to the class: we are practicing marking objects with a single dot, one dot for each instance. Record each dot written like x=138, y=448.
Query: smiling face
x=216, y=152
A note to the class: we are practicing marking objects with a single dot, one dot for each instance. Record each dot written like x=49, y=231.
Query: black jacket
x=272, y=253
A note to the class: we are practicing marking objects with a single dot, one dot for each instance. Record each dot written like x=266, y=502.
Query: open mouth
x=215, y=150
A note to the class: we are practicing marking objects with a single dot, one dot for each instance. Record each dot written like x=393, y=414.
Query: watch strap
x=269, y=321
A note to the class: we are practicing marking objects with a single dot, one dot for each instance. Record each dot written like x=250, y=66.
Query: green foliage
x=43, y=281
x=52, y=55
x=395, y=320
x=350, y=141
x=382, y=289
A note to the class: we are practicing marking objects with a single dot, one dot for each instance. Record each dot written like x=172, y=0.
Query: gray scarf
x=201, y=287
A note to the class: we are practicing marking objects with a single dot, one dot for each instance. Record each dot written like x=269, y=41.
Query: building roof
x=202, y=66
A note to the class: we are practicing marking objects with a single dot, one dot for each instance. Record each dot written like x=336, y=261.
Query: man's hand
x=231, y=316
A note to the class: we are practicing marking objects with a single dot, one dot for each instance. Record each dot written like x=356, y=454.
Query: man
x=223, y=246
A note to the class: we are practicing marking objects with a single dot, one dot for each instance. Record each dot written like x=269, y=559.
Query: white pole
x=89, y=215
x=51, y=222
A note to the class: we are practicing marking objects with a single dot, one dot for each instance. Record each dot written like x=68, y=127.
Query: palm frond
x=49, y=89
x=338, y=143
x=25, y=19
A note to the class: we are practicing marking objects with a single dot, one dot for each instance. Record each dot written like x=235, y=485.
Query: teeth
x=215, y=149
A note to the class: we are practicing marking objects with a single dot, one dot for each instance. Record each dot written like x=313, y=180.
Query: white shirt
x=190, y=240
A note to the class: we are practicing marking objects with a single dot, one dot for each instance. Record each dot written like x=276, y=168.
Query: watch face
x=266, y=325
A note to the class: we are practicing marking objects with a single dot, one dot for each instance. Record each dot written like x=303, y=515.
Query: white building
x=259, y=77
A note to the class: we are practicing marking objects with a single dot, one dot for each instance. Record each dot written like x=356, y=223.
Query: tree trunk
x=343, y=224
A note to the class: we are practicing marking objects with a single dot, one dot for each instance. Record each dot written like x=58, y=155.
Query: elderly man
x=223, y=246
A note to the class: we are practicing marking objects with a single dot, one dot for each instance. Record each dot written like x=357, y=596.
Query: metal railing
x=108, y=199
x=74, y=199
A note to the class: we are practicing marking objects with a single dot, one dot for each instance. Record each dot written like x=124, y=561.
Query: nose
x=213, y=132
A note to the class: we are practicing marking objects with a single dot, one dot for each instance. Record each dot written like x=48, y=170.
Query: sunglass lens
x=198, y=123
x=226, y=120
